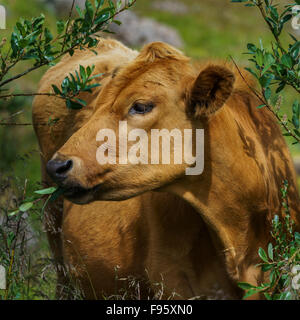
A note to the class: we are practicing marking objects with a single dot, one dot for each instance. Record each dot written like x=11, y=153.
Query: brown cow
x=199, y=233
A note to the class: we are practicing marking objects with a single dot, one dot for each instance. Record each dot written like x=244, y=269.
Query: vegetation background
x=210, y=29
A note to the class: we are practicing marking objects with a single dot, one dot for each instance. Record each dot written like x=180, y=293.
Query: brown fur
x=199, y=233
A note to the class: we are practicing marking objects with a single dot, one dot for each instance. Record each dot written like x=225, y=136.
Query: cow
x=197, y=234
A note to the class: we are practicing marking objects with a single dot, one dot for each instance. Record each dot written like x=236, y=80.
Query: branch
x=67, y=27
x=32, y=94
x=21, y=124
x=93, y=32
x=282, y=123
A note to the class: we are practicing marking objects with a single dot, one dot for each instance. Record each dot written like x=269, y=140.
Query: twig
x=9, y=272
x=21, y=124
x=67, y=27
x=33, y=94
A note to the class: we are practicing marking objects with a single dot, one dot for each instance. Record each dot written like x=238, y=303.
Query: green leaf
x=268, y=93
x=296, y=122
x=55, y=89
x=245, y=285
x=73, y=105
x=60, y=25
x=262, y=254
x=296, y=108
x=287, y=60
x=48, y=35
x=82, y=73
x=89, y=10
x=285, y=296
x=56, y=194
x=82, y=102
x=266, y=80
x=261, y=106
x=297, y=236
x=99, y=3
x=46, y=191
x=251, y=47
x=13, y=213
x=250, y=293
x=266, y=267
x=267, y=296
x=25, y=206
x=252, y=72
x=117, y=22
x=259, y=57
x=270, y=251
x=79, y=11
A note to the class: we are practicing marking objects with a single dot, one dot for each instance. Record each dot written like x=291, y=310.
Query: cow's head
x=158, y=90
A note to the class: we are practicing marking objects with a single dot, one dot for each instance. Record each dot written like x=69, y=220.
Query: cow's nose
x=58, y=169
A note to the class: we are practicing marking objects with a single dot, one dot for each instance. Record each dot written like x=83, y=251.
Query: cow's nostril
x=66, y=166
x=58, y=169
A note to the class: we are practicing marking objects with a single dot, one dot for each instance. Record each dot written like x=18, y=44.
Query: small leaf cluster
x=90, y=21
x=31, y=40
x=73, y=85
x=28, y=203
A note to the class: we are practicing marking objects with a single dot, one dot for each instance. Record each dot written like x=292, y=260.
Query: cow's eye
x=141, y=108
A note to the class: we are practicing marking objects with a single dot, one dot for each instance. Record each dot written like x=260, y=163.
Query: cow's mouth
x=79, y=194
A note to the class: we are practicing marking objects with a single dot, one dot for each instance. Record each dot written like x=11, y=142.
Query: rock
x=62, y=7
x=136, y=31
x=175, y=7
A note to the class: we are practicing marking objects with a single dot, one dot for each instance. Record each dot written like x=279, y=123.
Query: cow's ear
x=210, y=90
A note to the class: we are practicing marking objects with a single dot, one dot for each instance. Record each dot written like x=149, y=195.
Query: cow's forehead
x=155, y=61
x=158, y=67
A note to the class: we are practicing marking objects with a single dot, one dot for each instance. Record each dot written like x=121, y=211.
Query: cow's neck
x=229, y=196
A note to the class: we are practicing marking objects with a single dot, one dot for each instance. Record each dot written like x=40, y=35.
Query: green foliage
x=32, y=40
x=72, y=86
x=25, y=272
x=281, y=262
x=278, y=67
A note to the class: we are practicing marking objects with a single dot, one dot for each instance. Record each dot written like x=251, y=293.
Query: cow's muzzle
x=58, y=169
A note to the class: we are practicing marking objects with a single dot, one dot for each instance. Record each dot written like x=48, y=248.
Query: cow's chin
x=80, y=195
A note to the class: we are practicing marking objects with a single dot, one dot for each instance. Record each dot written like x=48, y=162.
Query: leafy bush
x=282, y=260
x=278, y=67
x=32, y=41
